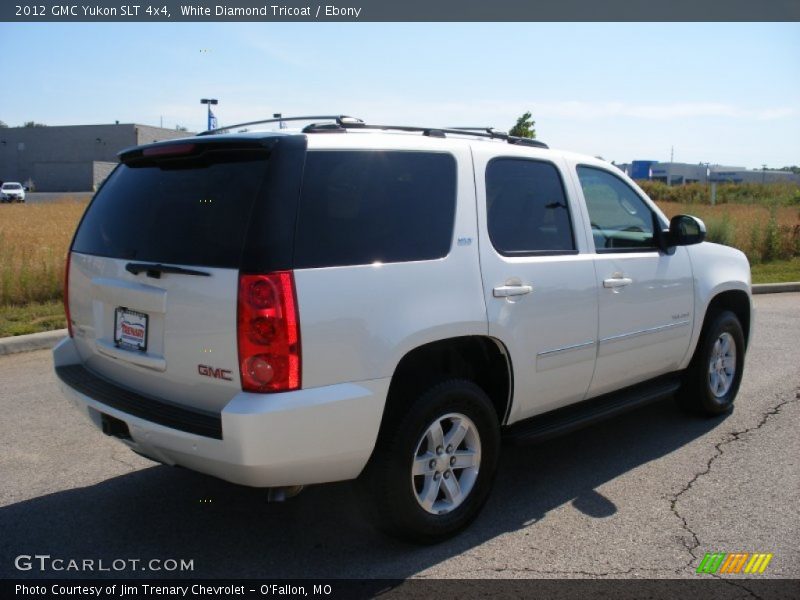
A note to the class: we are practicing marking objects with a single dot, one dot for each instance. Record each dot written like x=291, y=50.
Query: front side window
x=620, y=219
x=526, y=208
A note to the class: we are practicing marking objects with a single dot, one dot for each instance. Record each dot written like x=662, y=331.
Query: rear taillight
x=66, y=293
x=268, y=333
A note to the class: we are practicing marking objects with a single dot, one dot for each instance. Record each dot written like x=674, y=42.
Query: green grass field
x=32, y=318
x=779, y=271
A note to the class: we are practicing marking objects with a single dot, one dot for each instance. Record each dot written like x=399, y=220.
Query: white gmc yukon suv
x=385, y=303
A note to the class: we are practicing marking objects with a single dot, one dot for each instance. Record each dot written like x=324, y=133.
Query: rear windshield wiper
x=155, y=270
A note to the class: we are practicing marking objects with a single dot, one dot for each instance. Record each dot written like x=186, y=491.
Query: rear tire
x=712, y=380
x=433, y=469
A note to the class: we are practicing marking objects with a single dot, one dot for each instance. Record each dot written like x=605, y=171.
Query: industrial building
x=71, y=158
x=77, y=158
x=673, y=173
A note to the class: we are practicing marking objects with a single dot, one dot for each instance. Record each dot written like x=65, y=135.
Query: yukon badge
x=214, y=372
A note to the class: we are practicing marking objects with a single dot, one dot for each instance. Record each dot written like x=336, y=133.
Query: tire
x=426, y=507
x=713, y=377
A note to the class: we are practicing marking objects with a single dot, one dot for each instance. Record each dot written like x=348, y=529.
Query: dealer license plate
x=130, y=329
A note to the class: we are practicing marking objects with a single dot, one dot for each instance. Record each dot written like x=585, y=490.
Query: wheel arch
x=738, y=302
x=736, y=299
x=481, y=359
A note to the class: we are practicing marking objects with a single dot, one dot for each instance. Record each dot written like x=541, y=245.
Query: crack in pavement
x=555, y=572
x=609, y=573
x=116, y=458
x=730, y=438
x=738, y=585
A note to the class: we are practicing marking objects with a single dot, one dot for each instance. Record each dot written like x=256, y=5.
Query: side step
x=566, y=419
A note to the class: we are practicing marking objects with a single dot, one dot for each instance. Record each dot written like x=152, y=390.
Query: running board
x=569, y=418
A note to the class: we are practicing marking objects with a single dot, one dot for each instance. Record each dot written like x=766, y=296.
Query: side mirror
x=685, y=230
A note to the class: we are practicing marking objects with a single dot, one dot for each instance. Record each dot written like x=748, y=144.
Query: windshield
x=12, y=186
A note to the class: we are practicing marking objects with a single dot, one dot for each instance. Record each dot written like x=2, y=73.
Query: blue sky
x=723, y=93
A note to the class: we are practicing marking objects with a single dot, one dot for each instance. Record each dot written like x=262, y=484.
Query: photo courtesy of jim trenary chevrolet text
x=360, y=299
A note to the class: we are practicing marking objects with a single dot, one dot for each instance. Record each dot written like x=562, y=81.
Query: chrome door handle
x=617, y=282
x=504, y=291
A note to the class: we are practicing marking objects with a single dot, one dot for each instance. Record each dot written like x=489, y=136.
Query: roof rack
x=339, y=119
x=343, y=123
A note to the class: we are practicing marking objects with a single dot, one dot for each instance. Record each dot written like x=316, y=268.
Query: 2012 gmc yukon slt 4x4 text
x=386, y=304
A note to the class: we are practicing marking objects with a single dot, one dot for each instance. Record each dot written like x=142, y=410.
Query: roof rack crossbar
x=339, y=119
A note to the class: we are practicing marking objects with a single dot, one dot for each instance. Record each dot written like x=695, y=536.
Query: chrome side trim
x=623, y=336
x=564, y=349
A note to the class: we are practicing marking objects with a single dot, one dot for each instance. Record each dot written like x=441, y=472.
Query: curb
x=48, y=339
x=776, y=288
x=32, y=341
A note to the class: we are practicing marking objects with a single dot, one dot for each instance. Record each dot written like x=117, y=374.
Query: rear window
x=361, y=207
x=189, y=211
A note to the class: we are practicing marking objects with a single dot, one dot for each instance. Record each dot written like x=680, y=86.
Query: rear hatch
x=154, y=266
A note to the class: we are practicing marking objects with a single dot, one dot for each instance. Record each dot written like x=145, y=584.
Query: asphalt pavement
x=645, y=495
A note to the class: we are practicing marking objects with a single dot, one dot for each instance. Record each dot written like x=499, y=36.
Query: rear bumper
x=267, y=440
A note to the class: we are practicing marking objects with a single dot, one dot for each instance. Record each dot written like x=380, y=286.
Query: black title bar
x=401, y=10
x=354, y=589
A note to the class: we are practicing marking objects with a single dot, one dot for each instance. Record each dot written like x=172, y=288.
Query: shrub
x=754, y=252
x=721, y=230
x=772, y=241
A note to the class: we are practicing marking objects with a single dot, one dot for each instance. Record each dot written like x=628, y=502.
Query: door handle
x=504, y=291
x=617, y=282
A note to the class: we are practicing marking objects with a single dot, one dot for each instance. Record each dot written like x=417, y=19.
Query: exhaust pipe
x=282, y=494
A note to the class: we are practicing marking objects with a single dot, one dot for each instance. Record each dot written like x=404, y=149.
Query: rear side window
x=183, y=211
x=360, y=207
x=526, y=208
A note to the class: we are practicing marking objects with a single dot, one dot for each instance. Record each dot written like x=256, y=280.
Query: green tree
x=524, y=127
x=34, y=124
x=3, y=125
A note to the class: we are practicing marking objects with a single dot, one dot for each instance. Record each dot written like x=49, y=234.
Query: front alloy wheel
x=722, y=365
x=712, y=380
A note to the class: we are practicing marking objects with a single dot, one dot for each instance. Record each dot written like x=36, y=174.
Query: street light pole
x=208, y=102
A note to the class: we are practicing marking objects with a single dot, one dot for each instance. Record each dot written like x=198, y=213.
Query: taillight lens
x=66, y=293
x=268, y=333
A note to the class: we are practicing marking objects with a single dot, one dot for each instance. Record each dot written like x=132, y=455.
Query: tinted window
x=185, y=211
x=526, y=207
x=619, y=217
x=360, y=207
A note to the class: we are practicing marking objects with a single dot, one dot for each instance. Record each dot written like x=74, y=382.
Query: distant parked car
x=11, y=191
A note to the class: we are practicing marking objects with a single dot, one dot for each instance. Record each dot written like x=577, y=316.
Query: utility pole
x=212, y=120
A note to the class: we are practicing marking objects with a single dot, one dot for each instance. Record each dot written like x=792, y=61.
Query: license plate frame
x=127, y=336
